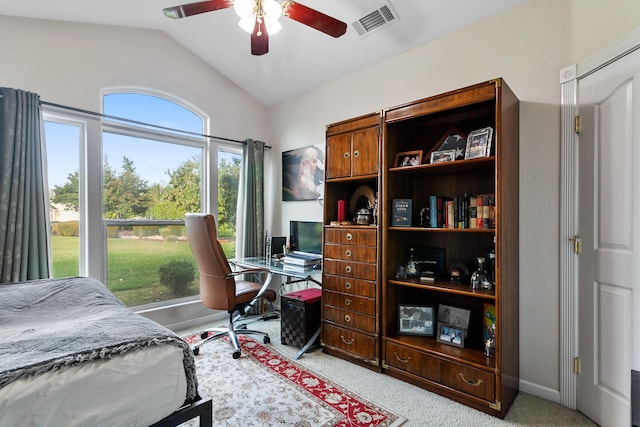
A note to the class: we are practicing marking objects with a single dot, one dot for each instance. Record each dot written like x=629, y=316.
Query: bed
x=71, y=354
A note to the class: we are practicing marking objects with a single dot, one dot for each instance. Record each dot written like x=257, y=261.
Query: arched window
x=156, y=166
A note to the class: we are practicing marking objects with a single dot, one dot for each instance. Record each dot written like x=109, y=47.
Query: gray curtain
x=251, y=200
x=24, y=234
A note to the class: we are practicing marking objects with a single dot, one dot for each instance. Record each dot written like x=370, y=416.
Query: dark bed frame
x=200, y=407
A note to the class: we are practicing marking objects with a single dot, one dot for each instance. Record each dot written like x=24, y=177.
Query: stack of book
x=462, y=212
x=298, y=260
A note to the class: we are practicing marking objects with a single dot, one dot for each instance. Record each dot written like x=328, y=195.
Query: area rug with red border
x=265, y=388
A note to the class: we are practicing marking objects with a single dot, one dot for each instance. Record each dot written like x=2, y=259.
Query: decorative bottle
x=479, y=278
x=491, y=261
x=412, y=267
x=490, y=343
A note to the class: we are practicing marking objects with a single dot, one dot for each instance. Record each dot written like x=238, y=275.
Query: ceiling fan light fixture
x=272, y=9
x=247, y=23
x=264, y=11
x=273, y=26
x=244, y=8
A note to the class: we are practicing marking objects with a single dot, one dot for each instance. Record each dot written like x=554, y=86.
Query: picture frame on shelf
x=455, y=316
x=453, y=139
x=416, y=320
x=443, y=156
x=479, y=143
x=451, y=334
x=408, y=158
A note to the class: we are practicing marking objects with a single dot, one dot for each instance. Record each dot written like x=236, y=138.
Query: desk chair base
x=232, y=331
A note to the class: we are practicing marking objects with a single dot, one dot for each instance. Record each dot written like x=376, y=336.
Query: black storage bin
x=300, y=316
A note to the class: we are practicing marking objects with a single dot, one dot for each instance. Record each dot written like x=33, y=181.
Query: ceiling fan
x=260, y=18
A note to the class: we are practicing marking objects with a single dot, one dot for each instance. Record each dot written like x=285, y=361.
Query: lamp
x=265, y=12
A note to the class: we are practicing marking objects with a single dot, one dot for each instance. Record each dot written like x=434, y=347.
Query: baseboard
x=542, y=392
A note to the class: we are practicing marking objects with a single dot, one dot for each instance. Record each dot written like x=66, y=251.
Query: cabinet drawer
x=463, y=378
x=349, y=318
x=358, y=344
x=352, y=286
x=350, y=236
x=412, y=361
x=470, y=380
x=356, y=270
x=351, y=253
x=349, y=302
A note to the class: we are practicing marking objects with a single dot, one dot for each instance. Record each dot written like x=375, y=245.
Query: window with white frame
x=155, y=168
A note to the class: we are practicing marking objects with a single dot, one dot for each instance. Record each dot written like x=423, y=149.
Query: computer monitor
x=305, y=236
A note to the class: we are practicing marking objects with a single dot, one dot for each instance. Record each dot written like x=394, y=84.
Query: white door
x=609, y=219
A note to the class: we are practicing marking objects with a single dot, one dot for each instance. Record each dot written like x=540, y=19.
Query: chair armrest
x=253, y=270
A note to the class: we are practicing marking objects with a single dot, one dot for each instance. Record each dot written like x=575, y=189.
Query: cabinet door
x=365, y=151
x=339, y=156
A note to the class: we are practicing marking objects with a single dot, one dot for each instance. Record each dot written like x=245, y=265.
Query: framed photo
x=450, y=334
x=415, y=320
x=455, y=316
x=479, y=143
x=303, y=173
x=453, y=139
x=443, y=156
x=408, y=158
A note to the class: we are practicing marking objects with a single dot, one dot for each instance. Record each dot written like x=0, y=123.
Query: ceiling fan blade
x=259, y=39
x=191, y=9
x=314, y=19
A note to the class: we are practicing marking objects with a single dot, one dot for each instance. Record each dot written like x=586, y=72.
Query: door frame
x=569, y=81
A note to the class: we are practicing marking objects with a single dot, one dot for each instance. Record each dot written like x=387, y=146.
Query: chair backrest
x=217, y=289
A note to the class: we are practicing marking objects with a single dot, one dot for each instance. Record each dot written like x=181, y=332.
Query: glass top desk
x=276, y=266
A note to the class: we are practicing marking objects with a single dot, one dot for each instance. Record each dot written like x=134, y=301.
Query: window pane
x=153, y=110
x=148, y=186
x=149, y=264
x=228, y=181
x=149, y=179
x=152, y=181
x=63, y=156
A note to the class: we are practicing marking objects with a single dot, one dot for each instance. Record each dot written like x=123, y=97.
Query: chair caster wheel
x=266, y=340
x=196, y=351
x=236, y=354
x=204, y=335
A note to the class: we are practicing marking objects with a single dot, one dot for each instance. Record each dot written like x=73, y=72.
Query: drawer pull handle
x=347, y=318
x=346, y=155
x=346, y=341
x=400, y=359
x=348, y=252
x=347, y=301
x=348, y=269
x=472, y=383
x=347, y=285
x=349, y=236
x=356, y=153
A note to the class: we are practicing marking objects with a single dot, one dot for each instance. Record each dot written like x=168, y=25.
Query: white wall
x=69, y=64
x=527, y=46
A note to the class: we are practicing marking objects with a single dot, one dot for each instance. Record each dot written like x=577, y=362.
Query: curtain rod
x=107, y=116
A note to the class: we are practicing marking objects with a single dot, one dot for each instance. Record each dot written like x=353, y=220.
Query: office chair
x=220, y=289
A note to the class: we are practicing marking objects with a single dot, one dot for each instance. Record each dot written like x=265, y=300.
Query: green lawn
x=133, y=265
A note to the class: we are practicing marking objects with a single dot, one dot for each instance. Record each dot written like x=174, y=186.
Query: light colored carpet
x=420, y=407
x=265, y=388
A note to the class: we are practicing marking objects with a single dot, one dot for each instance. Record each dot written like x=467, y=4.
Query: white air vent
x=374, y=20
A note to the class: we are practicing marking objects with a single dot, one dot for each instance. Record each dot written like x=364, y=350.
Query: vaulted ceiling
x=299, y=57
